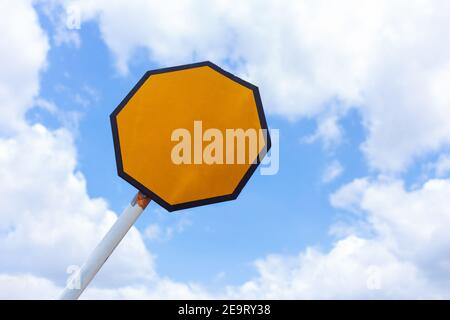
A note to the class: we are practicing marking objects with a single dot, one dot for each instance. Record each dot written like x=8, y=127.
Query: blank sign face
x=182, y=133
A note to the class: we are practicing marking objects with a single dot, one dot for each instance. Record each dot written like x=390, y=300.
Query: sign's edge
x=196, y=203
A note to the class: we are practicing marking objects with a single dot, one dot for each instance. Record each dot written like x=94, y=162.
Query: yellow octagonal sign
x=190, y=135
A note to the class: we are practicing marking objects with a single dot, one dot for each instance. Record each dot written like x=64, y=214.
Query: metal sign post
x=80, y=280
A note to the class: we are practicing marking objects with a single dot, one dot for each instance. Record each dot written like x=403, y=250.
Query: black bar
x=225, y=309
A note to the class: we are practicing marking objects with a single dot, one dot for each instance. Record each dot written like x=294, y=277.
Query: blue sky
x=360, y=101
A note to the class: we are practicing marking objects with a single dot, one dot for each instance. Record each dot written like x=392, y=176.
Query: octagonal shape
x=181, y=97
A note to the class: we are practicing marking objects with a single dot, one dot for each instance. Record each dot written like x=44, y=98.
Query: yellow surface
x=176, y=99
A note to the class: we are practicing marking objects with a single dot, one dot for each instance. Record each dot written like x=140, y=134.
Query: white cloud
x=328, y=131
x=442, y=166
x=19, y=78
x=46, y=212
x=26, y=286
x=160, y=232
x=413, y=224
x=153, y=231
x=354, y=268
x=332, y=171
x=65, y=22
x=348, y=195
x=405, y=254
x=45, y=105
x=161, y=289
x=389, y=59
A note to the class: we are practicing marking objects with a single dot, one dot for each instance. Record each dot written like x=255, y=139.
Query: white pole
x=80, y=280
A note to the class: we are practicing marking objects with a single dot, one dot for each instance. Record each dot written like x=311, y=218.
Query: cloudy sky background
x=360, y=91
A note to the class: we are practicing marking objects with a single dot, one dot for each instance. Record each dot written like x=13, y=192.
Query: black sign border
x=202, y=202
